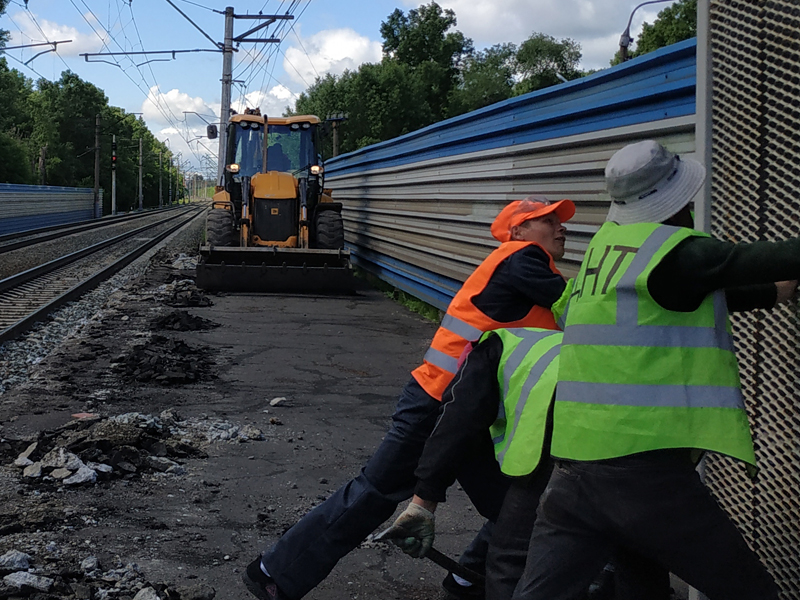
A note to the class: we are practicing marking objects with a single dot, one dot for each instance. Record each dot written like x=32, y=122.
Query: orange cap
x=531, y=207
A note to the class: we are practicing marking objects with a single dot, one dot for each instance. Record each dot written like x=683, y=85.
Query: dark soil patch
x=181, y=320
x=166, y=361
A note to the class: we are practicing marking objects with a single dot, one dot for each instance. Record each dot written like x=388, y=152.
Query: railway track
x=30, y=296
x=24, y=239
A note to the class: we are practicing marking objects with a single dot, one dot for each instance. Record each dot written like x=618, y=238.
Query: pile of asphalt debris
x=180, y=320
x=182, y=293
x=165, y=361
x=91, y=448
x=49, y=577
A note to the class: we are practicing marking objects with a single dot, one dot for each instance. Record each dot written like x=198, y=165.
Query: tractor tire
x=219, y=229
x=329, y=230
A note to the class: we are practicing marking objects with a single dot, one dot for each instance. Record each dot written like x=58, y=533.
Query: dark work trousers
x=650, y=504
x=508, y=547
x=307, y=553
x=636, y=578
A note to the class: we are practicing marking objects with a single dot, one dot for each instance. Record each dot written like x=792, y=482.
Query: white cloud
x=272, y=102
x=329, y=51
x=30, y=33
x=588, y=22
x=164, y=113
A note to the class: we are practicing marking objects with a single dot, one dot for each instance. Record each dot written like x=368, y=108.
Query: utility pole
x=97, y=165
x=227, y=50
x=114, y=174
x=170, y=179
x=227, y=69
x=335, y=120
x=160, y=177
x=141, y=191
x=336, y=138
x=178, y=189
x=43, y=165
x=227, y=77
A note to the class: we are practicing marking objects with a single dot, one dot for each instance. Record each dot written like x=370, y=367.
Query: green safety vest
x=527, y=378
x=634, y=376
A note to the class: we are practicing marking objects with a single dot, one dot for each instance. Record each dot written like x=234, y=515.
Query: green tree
x=423, y=41
x=381, y=100
x=674, y=24
x=486, y=77
x=16, y=124
x=541, y=59
x=14, y=162
x=4, y=34
x=64, y=117
x=430, y=72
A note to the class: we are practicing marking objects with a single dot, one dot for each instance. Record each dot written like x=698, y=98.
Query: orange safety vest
x=464, y=323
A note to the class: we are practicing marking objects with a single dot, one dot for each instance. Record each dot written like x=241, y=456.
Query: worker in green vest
x=648, y=381
x=501, y=397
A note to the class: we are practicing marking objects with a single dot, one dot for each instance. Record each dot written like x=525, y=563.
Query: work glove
x=413, y=531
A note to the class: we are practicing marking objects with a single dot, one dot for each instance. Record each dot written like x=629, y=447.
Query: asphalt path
x=339, y=364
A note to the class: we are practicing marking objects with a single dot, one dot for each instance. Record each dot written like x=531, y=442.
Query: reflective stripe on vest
x=627, y=326
x=441, y=360
x=527, y=355
x=653, y=378
x=464, y=323
x=460, y=328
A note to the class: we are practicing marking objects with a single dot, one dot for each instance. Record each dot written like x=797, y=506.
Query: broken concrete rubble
x=14, y=560
x=87, y=451
x=23, y=579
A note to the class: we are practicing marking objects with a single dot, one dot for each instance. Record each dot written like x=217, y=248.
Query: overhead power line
x=227, y=48
x=185, y=16
x=201, y=6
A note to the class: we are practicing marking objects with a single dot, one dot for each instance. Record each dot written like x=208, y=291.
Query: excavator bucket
x=278, y=270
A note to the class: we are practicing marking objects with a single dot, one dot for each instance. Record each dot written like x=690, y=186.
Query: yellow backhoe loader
x=272, y=226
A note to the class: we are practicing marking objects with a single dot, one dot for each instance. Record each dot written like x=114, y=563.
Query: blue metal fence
x=24, y=207
x=418, y=207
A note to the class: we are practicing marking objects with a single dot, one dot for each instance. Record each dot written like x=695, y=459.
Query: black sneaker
x=259, y=584
x=458, y=591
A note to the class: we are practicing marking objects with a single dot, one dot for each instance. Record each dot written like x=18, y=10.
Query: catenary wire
x=144, y=80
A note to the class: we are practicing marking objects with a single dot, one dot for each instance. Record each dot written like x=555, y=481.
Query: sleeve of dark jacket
x=520, y=282
x=469, y=407
x=699, y=265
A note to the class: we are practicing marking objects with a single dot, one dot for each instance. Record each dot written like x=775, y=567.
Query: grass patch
x=405, y=299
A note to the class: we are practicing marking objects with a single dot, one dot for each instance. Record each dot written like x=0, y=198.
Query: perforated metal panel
x=755, y=192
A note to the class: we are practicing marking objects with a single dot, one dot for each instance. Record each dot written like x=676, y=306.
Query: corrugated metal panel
x=25, y=207
x=417, y=209
x=755, y=188
x=624, y=95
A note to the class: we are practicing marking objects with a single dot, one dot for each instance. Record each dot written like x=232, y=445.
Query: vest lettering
x=634, y=377
x=595, y=272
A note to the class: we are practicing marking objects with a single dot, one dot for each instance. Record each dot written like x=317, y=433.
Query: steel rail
x=17, y=292
x=36, y=236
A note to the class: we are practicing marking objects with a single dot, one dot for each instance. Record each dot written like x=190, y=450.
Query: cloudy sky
x=325, y=36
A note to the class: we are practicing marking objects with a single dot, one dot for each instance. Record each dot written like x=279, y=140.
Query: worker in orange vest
x=514, y=286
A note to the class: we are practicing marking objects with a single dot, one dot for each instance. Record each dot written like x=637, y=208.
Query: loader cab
x=292, y=148
x=245, y=139
x=245, y=136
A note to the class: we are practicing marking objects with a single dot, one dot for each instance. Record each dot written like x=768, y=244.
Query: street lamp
x=625, y=39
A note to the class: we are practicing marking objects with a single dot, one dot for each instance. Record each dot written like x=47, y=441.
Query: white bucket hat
x=649, y=184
